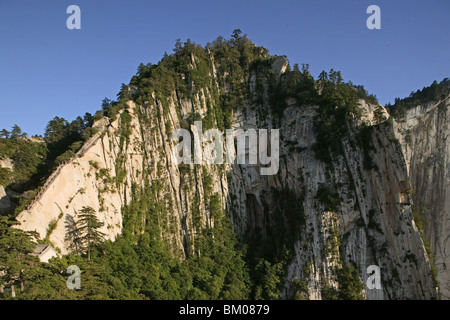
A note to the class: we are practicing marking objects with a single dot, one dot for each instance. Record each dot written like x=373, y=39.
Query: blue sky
x=47, y=70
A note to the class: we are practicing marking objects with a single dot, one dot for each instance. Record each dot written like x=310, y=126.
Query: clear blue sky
x=47, y=70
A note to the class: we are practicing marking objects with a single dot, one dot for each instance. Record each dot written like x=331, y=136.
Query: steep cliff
x=337, y=204
x=351, y=214
x=423, y=133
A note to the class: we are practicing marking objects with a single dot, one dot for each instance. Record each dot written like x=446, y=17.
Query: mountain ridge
x=339, y=203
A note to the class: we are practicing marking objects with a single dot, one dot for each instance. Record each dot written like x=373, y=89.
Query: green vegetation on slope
x=142, y=263
x=433, y=93
x=419, y=220
x=35, y=158
x=140, y=266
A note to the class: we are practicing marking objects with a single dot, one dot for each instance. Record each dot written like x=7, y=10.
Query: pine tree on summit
x=87, y=227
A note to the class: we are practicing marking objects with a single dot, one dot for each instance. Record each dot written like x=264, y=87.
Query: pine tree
x=107, y=103
x=15, y=259
x=73, y=235
x=56, y=130
x=16, y=132
x=378, y=115
x=5, y=134
x=87, y=233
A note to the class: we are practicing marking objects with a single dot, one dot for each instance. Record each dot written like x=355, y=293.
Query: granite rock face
x=423, y=134
x=369, y=222
x=372, y=223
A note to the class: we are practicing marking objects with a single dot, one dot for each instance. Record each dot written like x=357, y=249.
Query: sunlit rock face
x=329, y=214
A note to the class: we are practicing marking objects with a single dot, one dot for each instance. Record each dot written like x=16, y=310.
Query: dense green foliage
x=338, y=105
x=142, y=266
x=189, y=70
x=420, y=221
x=433, y=93
x=86, y=233
x=16, y=263
x=35, y=158
x=26, y=156
x=350, y=285
x=292, y=84
x=338, y=102
x=64, y=139
x=29, y=153
x=271, y=250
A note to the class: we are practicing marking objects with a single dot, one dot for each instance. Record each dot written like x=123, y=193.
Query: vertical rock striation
x=319, y=217
x=423, y=134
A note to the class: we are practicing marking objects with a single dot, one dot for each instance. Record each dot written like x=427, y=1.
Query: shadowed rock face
x=372, y=220
x=330, y=214
x=5, y=203
x=424, y=138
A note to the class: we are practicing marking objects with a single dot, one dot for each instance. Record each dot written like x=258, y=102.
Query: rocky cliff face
x=354, y=210
x=83, y=181
x=423, y=134
x=370, y=224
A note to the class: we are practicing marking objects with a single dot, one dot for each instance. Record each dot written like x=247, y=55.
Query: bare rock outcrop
x=423, y=135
